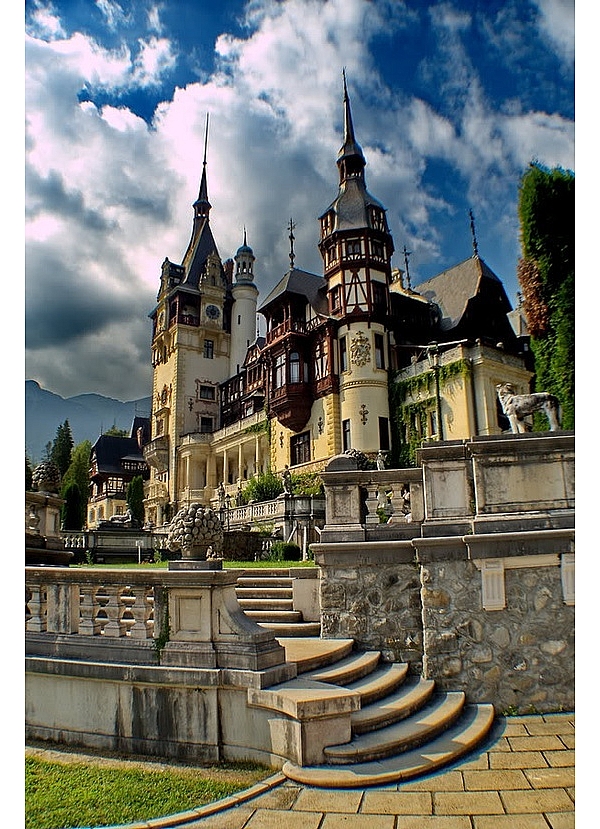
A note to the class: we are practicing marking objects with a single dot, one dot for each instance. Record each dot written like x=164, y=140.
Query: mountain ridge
x=89, y=415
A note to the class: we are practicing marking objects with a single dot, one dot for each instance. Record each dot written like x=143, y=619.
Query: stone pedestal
x=43, y=542
x=206, y=626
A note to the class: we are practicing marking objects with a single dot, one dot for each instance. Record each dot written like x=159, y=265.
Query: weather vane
x=474, y=235
x=291, y=228
x=407, y=253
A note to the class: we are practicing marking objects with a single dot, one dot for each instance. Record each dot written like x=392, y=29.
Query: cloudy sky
x=451, y=101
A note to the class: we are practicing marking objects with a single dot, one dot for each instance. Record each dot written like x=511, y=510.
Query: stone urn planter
x=198, y=533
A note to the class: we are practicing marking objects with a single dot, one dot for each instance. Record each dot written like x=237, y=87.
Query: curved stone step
x=259, y=582
x=401, y=736
x=461, y=738
x=381, y=682
x=276, y=616
x=293, y=629
x=264, y=593
x=410, y=697
x=310, y=653
x=352, y=668
x=266, y=604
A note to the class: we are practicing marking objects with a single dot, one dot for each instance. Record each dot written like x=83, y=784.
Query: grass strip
x=61, y=795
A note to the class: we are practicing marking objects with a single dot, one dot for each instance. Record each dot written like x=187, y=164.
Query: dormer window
x=353, y=248
x=326, y=224
x=377, y=219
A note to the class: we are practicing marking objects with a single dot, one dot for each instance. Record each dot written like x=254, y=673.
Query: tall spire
x=351, y=161
x=202, y=205
x=407, y=253
x=291, y=237
x=474, y=236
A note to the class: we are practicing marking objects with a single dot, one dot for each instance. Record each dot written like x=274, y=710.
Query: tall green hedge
x=546, y=274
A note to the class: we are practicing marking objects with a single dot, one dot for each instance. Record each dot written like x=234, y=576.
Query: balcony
x=156, y=453
x=292, y=403
x=288, y=326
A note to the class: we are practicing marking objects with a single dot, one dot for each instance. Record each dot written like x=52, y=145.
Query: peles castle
x=354, y=358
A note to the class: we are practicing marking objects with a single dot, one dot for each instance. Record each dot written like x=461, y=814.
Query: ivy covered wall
x=546, y=274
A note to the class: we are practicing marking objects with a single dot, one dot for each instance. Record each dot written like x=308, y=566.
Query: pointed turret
x=243, y=315
x=202, y=244
x=202, y=205
x=351, y=161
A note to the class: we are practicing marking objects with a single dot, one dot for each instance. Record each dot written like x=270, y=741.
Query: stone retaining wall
x=371, y=593
x=521, y=658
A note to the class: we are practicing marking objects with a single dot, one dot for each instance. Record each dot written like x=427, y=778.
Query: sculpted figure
x=287, y=481
x=517, y=406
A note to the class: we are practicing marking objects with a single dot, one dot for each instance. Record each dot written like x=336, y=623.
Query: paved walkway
x=523, y=777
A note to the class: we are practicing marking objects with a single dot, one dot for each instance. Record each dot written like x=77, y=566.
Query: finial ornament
x=205, y=140
x=407, y=253
x=291, y=228
x=474, y=235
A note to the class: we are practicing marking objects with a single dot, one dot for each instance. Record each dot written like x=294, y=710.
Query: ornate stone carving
x=46, y=477
x=517, y=406
x=197, y=532
x=360, y=350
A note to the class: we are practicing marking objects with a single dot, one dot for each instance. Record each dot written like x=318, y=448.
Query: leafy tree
x=116, y=433
x=71, y=509
x=79, y=473
x=135, y=498
x=62, y=448
x=546, y=274
x=264, y=487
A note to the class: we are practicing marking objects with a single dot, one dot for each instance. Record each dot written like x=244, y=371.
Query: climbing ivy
x=261, y=428
x=409, y=420
x=546, y=274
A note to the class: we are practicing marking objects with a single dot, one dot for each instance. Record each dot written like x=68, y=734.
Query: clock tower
x=190, y=358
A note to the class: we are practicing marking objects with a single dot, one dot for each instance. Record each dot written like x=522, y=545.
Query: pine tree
x=546, y=274
x=135, y=498
x=62, y=448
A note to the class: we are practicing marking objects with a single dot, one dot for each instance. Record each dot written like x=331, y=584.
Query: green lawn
x=61, y=795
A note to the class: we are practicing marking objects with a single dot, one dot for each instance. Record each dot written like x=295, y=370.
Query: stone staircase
x=401, y=726
x=266, y=596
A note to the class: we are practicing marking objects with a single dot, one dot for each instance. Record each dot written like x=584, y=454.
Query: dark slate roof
x=307, y=285
x=452, y=289
x=110, y=450
x=351, y=205
x=202, y=244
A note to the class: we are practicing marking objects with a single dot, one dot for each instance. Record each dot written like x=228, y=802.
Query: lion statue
x=517, y=406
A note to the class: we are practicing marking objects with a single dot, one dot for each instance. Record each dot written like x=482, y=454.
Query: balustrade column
x=89, y=624
x=114, y=611
x=372, y=503
x=141, y=610
x=37, y=608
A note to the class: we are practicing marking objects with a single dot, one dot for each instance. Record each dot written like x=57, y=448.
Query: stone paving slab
x=345, y=821
x=510, y=783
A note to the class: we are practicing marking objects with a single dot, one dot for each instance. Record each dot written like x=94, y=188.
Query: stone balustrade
x=184, y=617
